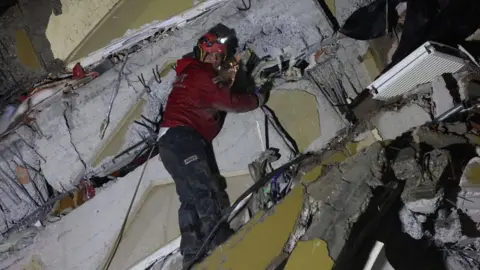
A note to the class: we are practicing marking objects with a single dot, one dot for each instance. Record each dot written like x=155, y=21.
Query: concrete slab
x=98, y=221
x=308, y=255
x=76, y=19
x=298, y=114
x=25, y=51
x=155, y=224
x=261, y=240
x=393, y=123
x=127, y=14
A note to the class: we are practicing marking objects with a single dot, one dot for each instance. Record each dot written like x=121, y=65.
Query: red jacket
x=198, y=101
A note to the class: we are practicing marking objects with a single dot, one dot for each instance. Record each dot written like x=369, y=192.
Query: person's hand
x=227, y=75
x=229, y=70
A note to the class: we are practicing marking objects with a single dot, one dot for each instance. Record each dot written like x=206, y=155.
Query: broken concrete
x=469, y=87
x=343, y=195
x=367, y=166
x=406, y=167
x=410, y=224
x=421, y=193
x=89, y=108
x=447, y=227
x=458, y=128
x=468, y=199
x=393, y=123
x=441, y=96
x=470, y=179
x=465, y=254
x=436, y=139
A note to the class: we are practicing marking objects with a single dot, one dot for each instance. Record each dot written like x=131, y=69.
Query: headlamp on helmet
x=211, y=43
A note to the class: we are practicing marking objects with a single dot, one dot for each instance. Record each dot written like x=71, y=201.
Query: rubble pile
x=437, y=172
x=431, y=163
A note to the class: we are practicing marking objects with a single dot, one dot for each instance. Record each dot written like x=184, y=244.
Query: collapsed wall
x=72, y=129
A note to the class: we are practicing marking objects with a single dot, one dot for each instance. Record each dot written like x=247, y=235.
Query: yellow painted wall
x=331, y=6
x=128, y=14
x=67, y=30
x=310, y=255
x=297, y=112
x=261, y=240
x=25, y=51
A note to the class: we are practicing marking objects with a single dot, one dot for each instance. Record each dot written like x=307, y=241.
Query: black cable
x=289, y=141
x=267, y=138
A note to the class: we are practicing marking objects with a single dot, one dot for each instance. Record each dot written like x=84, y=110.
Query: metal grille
x=421, y=66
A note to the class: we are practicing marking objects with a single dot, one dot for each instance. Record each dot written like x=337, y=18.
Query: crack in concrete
x=318, y=201
x=70, y=136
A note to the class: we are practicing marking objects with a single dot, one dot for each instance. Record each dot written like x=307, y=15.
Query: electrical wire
x=286, y=138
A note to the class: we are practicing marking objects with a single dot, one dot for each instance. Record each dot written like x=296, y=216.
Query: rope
x=122, y=229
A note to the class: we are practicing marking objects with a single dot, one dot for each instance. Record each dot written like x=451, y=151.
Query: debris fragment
x=406, y=167
x=447, y=227
x=410, y=224
x=392, y=123
x=421, y=193
x=470, y=179
x=458, y=128
x=468, y=199
x=442, y=98
x=436, y=139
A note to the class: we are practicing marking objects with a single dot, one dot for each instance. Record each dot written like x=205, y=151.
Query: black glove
x=263, y=93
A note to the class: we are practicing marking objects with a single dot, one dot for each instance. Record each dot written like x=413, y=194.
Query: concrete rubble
x=421, y=193
x=72, y=128
x=422, y=161
x=424, y=104
x=410, y=224
x=414, y=171
x=436, y=164
x=469, y=195
x=448, y=228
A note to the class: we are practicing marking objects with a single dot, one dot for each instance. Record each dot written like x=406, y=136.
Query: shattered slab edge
x=145, y=32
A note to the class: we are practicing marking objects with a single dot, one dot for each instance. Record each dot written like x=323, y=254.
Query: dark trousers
x=189, y=160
